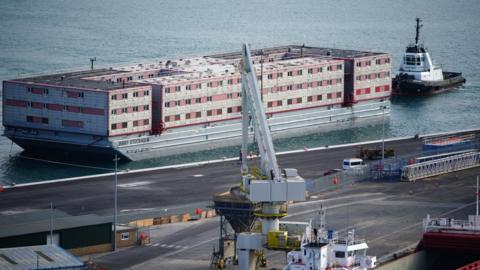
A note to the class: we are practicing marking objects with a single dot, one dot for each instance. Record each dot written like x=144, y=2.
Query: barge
x=178, y=106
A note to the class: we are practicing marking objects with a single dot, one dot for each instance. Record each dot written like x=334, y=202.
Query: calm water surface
x=47, y=36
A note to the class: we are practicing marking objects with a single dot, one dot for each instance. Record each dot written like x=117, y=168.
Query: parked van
x=351, y=163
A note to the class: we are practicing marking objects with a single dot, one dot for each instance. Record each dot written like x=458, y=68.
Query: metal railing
x=439, y=224
x=440, y=166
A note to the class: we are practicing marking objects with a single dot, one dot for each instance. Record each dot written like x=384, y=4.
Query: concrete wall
x=90, y=249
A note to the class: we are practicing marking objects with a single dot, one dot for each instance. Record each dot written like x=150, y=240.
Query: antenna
x=478, y=195
x=418, y=30
x=91, y=62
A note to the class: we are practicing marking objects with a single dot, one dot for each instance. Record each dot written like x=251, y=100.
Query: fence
x=440, y=166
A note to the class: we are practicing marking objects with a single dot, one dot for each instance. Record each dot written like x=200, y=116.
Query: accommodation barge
x=183, y=105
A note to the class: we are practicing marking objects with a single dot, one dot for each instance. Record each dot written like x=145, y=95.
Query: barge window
x=339, y=254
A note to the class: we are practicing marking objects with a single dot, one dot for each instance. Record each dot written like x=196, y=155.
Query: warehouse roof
x=38, y=257
x=39, y=221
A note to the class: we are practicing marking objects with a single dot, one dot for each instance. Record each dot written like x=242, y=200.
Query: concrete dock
x=387, y=213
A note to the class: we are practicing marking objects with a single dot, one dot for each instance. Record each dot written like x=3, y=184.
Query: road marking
x=170, y=246
x=197, y=175
x=136, y=210
x=163, y=245
x=134, y=184
x=178, y=246
x=156, y=244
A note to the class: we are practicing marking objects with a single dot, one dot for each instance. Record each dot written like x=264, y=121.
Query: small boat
x=418, y=76
x=323, y=249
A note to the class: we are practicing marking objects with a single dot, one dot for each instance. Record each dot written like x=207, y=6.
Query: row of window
x=130, y=78
x=275, y=89
x=54, y=107
x=372, y=76
x=299, y=100
x=201, y=100
x=270, y=76
x=270, y=104
x=130, y=109
x=135, y=123
x=65, y=123
x=193, y=115
x=378, y=89
x=125, y=95
x=44, y=91
x=368, y=63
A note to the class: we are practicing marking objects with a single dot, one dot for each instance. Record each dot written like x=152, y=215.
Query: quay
x=387, y=213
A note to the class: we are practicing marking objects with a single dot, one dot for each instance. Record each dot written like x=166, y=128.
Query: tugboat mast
x=417, y=31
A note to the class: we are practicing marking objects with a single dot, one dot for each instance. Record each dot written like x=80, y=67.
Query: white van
x=351, y=163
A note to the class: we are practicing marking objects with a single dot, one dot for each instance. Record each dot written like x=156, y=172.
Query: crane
x=271, y=189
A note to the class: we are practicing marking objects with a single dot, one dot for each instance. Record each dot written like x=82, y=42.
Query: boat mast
x=417, y=30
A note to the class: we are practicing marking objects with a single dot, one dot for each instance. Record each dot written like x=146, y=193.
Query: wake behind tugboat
x=419, y=76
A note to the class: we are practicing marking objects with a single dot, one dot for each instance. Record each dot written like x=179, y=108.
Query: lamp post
x=383, y=133
x=115, y=207
x=51, y=223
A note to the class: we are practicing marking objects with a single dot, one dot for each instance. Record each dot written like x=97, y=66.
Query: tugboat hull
x=405, y=85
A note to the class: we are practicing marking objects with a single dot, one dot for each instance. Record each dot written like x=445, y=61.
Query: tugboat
x=418, y=76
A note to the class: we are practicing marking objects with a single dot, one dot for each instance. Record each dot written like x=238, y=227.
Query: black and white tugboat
x=419, y=76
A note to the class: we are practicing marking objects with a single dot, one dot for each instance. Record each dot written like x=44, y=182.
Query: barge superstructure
x=183, y=105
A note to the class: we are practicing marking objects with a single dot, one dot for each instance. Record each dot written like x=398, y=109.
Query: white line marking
x=197, y=175
x=156, y=244
x=134, y=184
x=163, y=245
x=170, y=246
x=178, y=246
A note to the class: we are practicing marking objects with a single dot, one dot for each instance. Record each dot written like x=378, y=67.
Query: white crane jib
x=272, y=189
x=251, y=99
